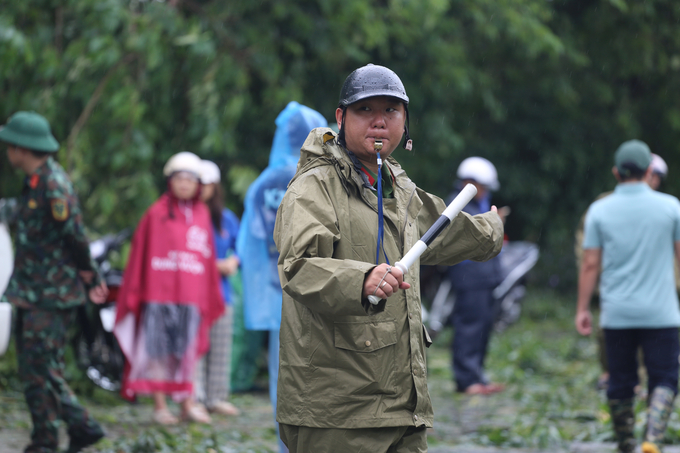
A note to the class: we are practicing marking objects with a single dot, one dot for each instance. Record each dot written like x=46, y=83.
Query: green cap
x=632, y=152
x=29, y=130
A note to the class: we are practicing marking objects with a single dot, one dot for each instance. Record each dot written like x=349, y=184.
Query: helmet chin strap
x=408, y=143
x=341, y=132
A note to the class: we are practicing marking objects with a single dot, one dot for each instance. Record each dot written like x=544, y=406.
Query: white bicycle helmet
x=659, y=165
x=210, y=172
x=480, y=170
x=184, y=161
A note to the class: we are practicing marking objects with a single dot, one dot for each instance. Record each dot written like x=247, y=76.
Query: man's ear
x=615, y=172
x=338, y=117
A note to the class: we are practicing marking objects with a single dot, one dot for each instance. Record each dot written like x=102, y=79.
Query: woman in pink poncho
x=170, y=295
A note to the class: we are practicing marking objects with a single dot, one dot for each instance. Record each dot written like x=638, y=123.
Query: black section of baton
x=438, y=226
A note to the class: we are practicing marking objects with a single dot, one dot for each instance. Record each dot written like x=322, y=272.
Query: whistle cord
x=381, y=220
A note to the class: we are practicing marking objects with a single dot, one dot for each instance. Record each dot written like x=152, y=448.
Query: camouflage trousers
x=41, y=340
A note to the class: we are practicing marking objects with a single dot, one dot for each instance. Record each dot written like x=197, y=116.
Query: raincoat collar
x=322, y=148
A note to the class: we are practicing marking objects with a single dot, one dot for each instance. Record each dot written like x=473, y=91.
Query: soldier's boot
x=84, y=434
x=84, y=437
x=659, y=410
x=623, y=422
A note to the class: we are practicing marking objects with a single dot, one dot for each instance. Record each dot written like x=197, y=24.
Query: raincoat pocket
x=364, y=361
x=365, y=336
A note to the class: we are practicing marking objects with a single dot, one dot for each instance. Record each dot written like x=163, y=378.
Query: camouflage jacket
x=50, y=243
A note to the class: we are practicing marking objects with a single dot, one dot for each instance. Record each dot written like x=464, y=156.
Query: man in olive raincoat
x=352, y=375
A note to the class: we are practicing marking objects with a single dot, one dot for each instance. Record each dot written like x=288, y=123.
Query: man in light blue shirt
x=633, y=236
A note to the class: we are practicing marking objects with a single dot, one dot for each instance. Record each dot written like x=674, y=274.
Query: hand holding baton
x=451, y=211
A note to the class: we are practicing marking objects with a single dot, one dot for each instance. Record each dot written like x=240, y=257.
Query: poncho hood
x=255, y=245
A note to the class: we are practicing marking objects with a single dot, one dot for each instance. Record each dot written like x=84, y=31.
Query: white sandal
x=197, y=414
x=164, y=417
x=224, y=408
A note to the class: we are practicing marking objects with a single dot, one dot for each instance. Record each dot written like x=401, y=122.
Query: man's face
x=371, y=119
x=14, y=156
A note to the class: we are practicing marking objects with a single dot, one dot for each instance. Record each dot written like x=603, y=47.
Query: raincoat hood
x=292, y=127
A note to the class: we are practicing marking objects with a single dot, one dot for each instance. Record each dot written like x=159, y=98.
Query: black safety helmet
x=371, y=81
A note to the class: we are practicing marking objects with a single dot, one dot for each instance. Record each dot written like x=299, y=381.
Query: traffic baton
x=451, y=211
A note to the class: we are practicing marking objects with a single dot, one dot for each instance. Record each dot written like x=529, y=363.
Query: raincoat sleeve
x=477, y=238
x=306, y=233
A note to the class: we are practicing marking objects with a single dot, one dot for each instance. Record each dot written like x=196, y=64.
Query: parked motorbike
x=97, y=349
x=516, y=259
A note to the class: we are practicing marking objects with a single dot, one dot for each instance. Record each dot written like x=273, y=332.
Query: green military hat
x=29, y=130
x=635, y=153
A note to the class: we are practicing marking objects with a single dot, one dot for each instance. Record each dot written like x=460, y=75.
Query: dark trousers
x=473, y=317
x=41, y=340
x=397, y=439
x=660, y=350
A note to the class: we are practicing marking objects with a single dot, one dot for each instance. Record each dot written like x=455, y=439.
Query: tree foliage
x=545, y=89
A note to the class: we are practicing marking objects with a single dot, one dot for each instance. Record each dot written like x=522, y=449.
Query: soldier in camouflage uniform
x=52, y=270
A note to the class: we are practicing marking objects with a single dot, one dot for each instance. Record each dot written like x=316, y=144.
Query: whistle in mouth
x=377, y=145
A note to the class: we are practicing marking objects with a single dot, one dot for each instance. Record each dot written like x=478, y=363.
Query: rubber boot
x=85, y=435
x=659, y=410
x=623, y=422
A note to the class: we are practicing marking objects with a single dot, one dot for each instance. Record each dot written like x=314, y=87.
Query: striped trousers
x=213, y=373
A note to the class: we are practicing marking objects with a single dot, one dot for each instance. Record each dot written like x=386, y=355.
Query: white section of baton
x=461, y=200
x=373, y=299
x=411, y=256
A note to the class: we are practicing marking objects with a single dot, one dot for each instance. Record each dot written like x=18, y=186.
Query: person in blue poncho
x=261, y=286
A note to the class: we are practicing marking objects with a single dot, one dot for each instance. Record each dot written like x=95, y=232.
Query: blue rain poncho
x=255, y=245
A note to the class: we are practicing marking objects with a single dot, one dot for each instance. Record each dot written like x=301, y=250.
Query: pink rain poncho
x=169, y=298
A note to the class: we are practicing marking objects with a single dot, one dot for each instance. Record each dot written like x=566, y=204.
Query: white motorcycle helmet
x=659, y=166
x=480, y=170
x=184, y=161
x=210, y=172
